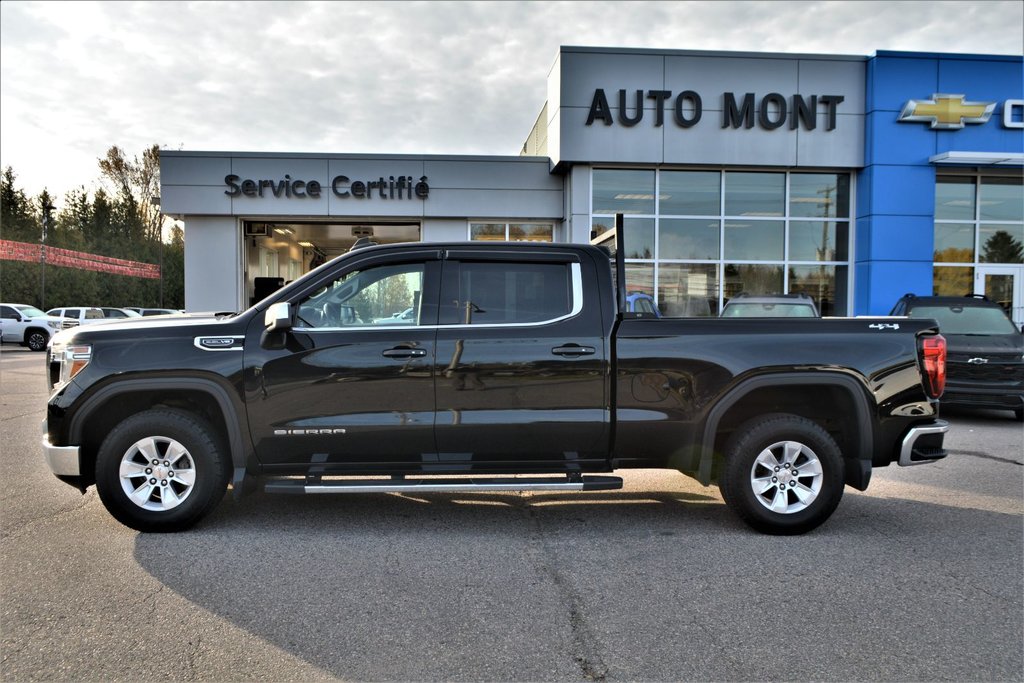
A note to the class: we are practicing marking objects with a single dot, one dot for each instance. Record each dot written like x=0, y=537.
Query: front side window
x=503, y=293
x=376, y=296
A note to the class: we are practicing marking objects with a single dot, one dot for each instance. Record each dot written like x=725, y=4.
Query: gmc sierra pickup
x=464, y=367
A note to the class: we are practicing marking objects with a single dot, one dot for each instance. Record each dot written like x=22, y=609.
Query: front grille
x=67, y=324
x=992, y=371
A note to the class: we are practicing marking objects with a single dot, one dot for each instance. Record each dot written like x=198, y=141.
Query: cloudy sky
x=379, y=77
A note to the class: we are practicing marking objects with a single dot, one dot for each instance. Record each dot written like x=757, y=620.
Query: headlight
x=55, y=324
x=73, y=359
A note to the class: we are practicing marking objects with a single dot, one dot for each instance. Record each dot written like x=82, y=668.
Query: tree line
x=123, y=221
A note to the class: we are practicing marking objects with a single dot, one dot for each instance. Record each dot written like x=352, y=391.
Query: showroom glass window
x=979, y=219
x=697, y=238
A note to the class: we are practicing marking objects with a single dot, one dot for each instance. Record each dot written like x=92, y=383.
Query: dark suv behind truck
x=985, y=361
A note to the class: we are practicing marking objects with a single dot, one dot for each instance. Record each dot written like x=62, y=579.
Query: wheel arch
x=752, y=397
x=115, y=402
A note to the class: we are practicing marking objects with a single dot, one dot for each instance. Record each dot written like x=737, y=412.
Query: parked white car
x=28, y=326
x=85, y=315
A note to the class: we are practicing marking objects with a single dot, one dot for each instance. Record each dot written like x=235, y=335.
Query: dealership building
x=854, y=179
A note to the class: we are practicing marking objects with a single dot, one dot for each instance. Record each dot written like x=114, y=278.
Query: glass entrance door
x=1004, y=284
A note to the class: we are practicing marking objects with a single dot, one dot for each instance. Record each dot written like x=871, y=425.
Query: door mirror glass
x=278, y=317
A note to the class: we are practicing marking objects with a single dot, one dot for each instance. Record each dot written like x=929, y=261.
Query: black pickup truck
x=469, y=367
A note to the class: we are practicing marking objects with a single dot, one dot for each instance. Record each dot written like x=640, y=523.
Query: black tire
x=36, y=340
x=787, y=442
x=179, y=440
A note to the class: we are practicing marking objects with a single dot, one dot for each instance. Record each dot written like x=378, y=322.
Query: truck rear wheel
x=161, y=470
x=783, y=474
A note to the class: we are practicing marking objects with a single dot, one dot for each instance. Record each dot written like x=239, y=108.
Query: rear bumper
x=923, y=444
x=62, y=460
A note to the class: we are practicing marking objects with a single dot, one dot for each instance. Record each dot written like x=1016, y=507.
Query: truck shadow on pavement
x=539, y=586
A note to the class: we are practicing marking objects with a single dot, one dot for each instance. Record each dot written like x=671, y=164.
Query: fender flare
x=864, y=432
x=234, y=416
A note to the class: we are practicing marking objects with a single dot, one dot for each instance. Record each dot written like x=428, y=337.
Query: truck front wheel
x=36, y=340
x=161, y=470
x=783, y=474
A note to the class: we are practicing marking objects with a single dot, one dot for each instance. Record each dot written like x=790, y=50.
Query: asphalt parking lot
x=919, y=578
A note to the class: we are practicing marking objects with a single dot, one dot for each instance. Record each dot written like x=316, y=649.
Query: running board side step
x=574, y=483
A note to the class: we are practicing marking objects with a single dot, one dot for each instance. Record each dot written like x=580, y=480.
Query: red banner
x=66, y=258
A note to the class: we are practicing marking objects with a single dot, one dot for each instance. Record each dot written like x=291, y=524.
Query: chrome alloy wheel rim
x=786, y=477
x=157, y=473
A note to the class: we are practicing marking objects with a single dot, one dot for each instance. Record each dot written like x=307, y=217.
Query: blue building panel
x=901, y=239
x=893, y=81
x=988, y=137
x=880, y=284
x=898, y=143
x=902, y=190
x=994, y=79
x=895, y=206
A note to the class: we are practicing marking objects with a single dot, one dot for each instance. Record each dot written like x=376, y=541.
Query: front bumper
x=923, y=444
x=977, y=397
x=62, y=460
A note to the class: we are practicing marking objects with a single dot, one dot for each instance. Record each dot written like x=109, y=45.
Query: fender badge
x=884, y=326
x=217, y=342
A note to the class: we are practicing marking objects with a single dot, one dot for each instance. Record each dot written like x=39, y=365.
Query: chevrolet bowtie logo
x=947, y=112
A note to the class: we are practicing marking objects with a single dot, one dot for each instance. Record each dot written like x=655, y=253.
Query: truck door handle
x=403, y=352
x=573, y=350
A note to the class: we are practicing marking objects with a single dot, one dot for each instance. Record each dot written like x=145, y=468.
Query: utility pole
x=47, y=208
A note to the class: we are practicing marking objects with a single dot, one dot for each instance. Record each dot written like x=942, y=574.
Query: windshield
x=751, y=310
x=956, y=319
x=29, y=311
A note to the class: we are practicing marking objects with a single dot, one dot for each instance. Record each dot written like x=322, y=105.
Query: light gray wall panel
x=716, y=146
x=365, y=206
x=274, y=168
x=819, y=148
x=580, y=228
x=194, y=199
x=373, y=169
x=554, y=90
x=639, y=144
x=712, y=76
x=497, y=203
x=823, y=77
x=492, y=175
x=198, y=170
x=269, y=205
x=212, y=262
x=445, y=230
x=583, y=73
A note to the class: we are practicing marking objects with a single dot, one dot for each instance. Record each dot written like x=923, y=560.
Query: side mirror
x=278, y=317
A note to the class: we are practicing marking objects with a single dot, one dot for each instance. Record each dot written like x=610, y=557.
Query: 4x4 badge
x=884, y=326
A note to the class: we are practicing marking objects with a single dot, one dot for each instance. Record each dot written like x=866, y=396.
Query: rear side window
x=93, y=314
x=503, y=293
